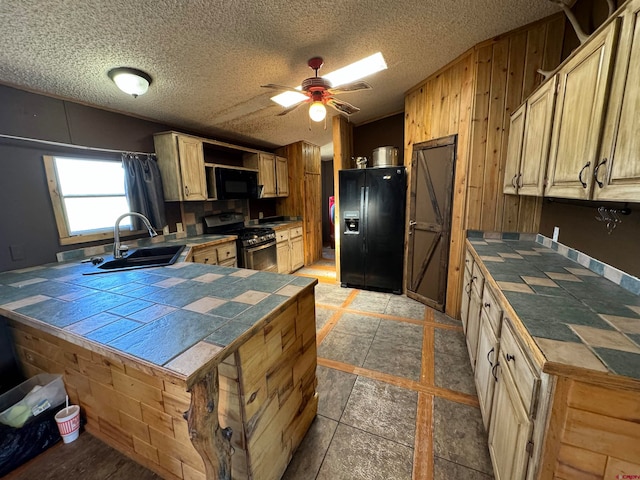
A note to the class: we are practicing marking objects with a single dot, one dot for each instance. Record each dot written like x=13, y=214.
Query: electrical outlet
x=556, y=233
x=179, y=227
x=260, y=215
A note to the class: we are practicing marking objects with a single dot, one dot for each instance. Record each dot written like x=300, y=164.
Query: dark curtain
x=143, y=187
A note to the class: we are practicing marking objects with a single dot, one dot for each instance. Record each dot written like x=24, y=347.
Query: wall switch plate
x=179, y=227
x=556, y=233
x=165, y=230
x=260, y=215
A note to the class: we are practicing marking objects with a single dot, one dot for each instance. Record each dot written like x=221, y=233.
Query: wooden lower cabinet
x=290, y=249
x=223, y=254
x=486, y=368
x=509, y=431
x=473, y=327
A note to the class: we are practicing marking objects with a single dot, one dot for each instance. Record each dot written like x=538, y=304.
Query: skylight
x=356, y=71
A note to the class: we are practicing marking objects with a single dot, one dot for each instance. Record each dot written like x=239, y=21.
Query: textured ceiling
x=209, y=58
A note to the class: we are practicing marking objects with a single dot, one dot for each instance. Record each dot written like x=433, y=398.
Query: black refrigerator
x=372, y=211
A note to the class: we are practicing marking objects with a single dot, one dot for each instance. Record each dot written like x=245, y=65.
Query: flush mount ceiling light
x=130, y=80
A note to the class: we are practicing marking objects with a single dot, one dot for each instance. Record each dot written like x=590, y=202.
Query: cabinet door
x=473, y=326
x=283, y=256
x=267, y=174
x=206, y=254
x=509, y=431
x=282, y=177
x=194, y=185
x=485, y=368
x=297, y=253
x=466, y=293
x=583, y=85
x=514, y=150
x=618, y=171
x=537, y=136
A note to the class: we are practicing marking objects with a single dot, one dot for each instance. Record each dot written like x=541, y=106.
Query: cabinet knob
x=487, y=304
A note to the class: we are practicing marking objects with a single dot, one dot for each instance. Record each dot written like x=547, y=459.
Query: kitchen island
x=194, y=371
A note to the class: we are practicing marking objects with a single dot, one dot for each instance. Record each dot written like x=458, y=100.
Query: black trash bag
x=19, y=445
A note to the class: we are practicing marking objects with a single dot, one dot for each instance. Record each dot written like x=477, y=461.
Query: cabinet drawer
x=523, y=372
x=206, y=255
x=295, y=232
x=492, y=309
x=226, y=251
x=282, y=236
x=477, y=279
x=468, y=261
x=229, y=263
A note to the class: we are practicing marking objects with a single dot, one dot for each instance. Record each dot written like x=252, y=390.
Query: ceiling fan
x=320, y=92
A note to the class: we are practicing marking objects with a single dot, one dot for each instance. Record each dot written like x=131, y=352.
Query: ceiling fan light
x=317, y=111
x=130, y=80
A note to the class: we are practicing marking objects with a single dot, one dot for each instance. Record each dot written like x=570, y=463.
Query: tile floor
x=396, y=393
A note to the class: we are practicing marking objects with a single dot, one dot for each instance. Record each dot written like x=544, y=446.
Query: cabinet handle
x=494, y=371
x=510, y=357
x=595, y=173
x=586, y=165
x=186, y=190
x=487, y=304
x=489, y=354
x=520, y=180
x=467, y=289
x=513, y=181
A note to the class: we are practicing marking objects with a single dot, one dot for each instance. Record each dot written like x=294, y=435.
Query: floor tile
x=459, y=435
x=355, y=324
x=446, y=470
x=366, y=301
x=346, y=348
x=394, y=360
x=382, y=409
x=322, y=316
x=355, y=454
x=402, y=306
x=331, y=294
x=440, y=317
x=334, y=388
x=307, y=460
x=450, y=342
x=454, y=373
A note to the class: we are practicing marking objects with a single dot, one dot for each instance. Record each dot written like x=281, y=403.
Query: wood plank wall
x=596, y=433
x=473, y=97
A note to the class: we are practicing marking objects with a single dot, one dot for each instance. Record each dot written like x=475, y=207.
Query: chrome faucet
x=116, y=231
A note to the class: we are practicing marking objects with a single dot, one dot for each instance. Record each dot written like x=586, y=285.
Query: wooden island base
x=267, y=396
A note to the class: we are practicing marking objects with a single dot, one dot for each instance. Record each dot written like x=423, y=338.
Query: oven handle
x=260, y=247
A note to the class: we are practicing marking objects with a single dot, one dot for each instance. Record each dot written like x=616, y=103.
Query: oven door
x=261, y=257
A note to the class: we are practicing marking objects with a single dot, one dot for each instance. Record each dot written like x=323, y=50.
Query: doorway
x=431, y=198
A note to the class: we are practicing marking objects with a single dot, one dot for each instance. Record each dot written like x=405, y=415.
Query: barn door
x=432, y=168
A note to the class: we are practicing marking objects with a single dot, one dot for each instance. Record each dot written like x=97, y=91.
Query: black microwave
x=232, y=183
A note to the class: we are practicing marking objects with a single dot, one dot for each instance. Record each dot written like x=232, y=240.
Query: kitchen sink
x=142, y=258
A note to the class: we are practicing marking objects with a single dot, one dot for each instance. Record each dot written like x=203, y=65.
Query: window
x=88, y=195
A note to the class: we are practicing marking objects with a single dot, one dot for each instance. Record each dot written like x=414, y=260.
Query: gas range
x=256, y=245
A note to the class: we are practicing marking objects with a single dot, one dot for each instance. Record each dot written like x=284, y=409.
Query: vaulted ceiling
x=209, y=58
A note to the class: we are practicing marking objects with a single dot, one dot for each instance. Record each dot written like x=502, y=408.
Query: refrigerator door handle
x=365, y=218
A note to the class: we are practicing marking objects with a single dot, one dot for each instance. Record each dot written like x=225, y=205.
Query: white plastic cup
x=68, y=420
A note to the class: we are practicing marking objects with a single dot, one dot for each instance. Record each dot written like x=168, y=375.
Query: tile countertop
x=576, y=317
x=161, y=316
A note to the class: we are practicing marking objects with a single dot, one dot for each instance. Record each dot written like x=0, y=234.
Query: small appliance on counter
x=256, y=245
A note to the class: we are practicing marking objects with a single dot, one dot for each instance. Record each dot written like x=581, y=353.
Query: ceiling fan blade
x=282, y=87
x=290, y=109
x=351, y=87
x=342, y=106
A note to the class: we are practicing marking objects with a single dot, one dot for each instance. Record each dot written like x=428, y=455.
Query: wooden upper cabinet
x=535, y=145
x=617, y=175
x=282, y=177
x=181, y=164
x=514, y=150
x=578, y=119
x=272, y=173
